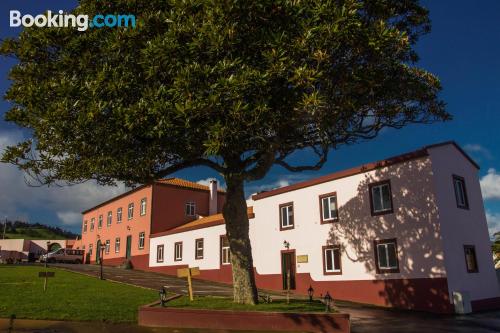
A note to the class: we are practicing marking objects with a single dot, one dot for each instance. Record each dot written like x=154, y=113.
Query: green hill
x=19, y=230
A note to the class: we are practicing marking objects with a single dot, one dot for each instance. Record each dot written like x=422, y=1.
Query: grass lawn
x=69, y=296
x=221, y=303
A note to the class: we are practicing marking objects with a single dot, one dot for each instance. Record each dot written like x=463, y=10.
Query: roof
x=173, y=181
x=419, y=153
x=179, y=182
x=204, y=222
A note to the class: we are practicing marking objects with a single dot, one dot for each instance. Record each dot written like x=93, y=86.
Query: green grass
x=221, y=303
x=69, y=296
x=33, y=233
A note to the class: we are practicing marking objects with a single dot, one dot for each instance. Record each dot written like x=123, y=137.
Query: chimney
x=212, y=202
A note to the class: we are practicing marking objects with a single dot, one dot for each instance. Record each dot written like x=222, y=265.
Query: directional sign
x=46, y=274
x=188, y=272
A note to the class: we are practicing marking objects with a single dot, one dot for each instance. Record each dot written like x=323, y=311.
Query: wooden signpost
x=46, y=275
x=188, y=273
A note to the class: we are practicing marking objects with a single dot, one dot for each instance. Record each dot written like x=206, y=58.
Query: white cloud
x=490, y=185
x=67, y=202
x=282, y=181
x=70, y=218
x=493, y=222
x=478, y=149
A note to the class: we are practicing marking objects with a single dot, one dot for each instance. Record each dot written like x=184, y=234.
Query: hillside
x=19, y=229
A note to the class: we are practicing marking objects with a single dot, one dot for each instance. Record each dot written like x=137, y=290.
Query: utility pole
x=4, y=227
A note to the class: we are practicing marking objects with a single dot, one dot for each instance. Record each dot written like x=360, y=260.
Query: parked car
x=64, y=255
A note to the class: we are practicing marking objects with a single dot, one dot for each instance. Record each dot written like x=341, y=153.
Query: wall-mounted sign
x=302, y=259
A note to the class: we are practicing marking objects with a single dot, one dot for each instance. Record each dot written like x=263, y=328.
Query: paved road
x=364, y=319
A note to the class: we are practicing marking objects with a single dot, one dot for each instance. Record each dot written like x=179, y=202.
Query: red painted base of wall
x=138, y=262
x=244, y=320
x=486, y=304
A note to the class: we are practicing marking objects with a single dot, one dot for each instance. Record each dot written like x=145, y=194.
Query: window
x=119, y=215
x=107, y=247
x=190, y=209
x=110, y=219
x=141, y=240
x=99, y=224
x=470, y=259
x=328, y=206
x=460, y=192
x=178, y=251
x=331, y=260
x=225, y=252
x=386, y=256
x=90, y=249
x=159, y=253
x=381, y=198
x=85, y=226
x=143, y=207
x=286, y=216
x=130, y=211
x=92, y=222
x=198, y=248
x=117, y=245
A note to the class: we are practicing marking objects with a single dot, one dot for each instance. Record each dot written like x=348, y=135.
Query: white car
x=64, y=255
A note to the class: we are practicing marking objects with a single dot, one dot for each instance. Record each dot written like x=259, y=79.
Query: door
x=98, y=252
x=129, y=247
x=288, y=268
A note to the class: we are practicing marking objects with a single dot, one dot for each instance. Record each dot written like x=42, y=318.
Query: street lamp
x=163, y=296
x=328, y=299
x=100, y=259
x=310, y=292
x=286, y=244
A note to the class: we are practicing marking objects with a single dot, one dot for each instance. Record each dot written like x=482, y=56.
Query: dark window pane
x=377, y=199
x=382, y=256
x=386, y=197
x=325, y=208
x=336, y=256
x=329, y=260
x=391, y=249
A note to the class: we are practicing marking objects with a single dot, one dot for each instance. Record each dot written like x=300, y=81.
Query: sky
x=462, y=50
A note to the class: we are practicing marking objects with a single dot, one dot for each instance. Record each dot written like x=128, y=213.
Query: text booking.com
x=81, y=22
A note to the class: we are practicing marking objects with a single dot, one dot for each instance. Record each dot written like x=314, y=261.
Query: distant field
x=33, y=233
x=69, y=296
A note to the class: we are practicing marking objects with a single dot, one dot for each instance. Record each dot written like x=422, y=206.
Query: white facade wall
x=463, y=226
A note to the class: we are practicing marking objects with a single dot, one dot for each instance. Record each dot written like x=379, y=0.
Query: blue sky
x=462, y=49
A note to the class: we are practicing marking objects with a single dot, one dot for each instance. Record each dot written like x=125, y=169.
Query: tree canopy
x=233, y=85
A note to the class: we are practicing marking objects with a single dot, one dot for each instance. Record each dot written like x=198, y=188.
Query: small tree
x=237, y=86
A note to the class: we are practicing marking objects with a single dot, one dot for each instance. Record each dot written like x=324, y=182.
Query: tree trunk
x=237, y=228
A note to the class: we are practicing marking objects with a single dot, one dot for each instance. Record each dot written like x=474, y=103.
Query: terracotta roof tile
x=185, y=183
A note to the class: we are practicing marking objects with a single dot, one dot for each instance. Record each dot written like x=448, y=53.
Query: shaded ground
x=365, y=319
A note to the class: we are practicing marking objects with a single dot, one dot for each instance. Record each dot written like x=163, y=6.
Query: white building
x=408, y=232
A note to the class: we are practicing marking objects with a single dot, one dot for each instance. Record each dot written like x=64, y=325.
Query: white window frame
x=381, y=186
x=197, y=248
x=330, y=217
x=178, y=251
x=117, y=245
x=85, y=226
x=142, y=237
x=460, y=192
x=190, y=208
x=385, y=246
x=109, y=219
x=160, y=252
x=143, y=207
x=99, y=222
x=286, y=212
x=119, y=215
x=225, y=251
x=332, y=249
x=92, y=224
x=91, y=247
x=130, y=211
x=107, y=246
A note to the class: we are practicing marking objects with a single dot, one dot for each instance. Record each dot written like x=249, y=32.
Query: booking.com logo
x=62, y=20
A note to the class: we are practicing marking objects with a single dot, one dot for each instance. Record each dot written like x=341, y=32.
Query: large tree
x=237, y=86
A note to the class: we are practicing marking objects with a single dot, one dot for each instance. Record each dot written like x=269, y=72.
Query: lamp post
x=328, y=299
x=46, y=260
x=163, y=296
x=100, y=259
x=310, y=292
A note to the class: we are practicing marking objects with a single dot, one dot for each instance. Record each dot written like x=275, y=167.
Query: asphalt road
x=365, y=319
